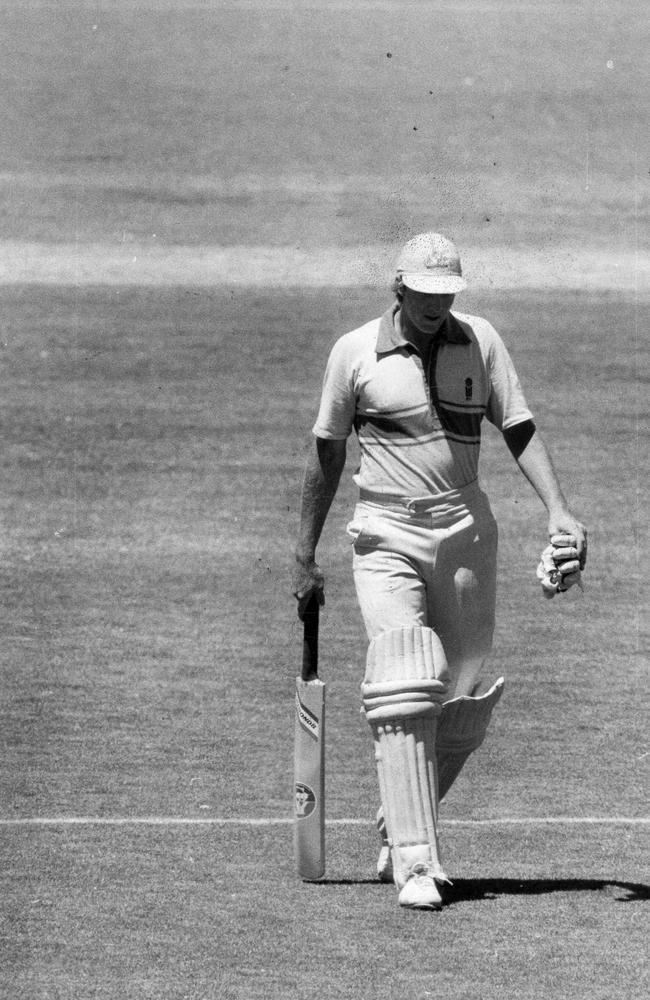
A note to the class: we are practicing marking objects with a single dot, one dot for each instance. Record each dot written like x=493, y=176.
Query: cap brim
x=435, y=284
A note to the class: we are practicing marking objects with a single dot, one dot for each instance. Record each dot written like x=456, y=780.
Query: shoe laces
x=423, y=869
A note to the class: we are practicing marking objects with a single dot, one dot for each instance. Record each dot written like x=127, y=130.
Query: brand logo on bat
x=305, y=800
x=307, y=719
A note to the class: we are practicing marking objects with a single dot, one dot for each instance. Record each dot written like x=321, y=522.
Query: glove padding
x=559, y=568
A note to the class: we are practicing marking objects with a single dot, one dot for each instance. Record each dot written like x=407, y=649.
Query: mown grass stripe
x=286, y=820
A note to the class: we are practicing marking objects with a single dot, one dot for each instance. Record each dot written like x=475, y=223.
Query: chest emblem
x=468, y=388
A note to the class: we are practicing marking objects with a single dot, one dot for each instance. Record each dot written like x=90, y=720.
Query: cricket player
x=415, y=385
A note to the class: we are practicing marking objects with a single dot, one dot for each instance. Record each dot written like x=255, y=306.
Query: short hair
x=397, y=287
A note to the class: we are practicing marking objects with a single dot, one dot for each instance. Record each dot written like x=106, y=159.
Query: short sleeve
x=506, y=402
x=335, y=418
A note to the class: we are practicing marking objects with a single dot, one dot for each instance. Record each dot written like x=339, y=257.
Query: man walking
x=415, y=385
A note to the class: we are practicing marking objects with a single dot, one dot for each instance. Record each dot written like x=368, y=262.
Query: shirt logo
x=468, y=388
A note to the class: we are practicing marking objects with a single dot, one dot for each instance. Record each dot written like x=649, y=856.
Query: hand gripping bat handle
x=309, y=671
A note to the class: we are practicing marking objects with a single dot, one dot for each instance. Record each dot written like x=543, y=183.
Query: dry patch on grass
x=142, y=264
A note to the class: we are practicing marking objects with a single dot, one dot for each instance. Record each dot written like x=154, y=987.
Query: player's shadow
x=467, y=890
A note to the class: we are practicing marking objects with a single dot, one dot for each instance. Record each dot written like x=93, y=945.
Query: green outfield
x=153, y=450
x=154, y=434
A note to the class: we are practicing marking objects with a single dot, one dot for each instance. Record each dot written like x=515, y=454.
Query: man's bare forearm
x=322, y=476
x=536, y=465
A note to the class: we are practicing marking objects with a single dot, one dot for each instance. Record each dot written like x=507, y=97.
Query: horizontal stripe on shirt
x=417, y=427
x=408, y=445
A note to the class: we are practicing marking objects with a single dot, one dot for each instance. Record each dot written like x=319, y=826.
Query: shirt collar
x=390, y=337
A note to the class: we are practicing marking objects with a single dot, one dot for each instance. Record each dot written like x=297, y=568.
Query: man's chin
x=431, y=327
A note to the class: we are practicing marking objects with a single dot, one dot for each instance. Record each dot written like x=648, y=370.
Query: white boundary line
x=36, y=821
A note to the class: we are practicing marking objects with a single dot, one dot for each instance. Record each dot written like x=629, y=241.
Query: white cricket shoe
x=420, y=891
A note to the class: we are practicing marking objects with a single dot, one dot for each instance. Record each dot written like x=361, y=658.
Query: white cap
x=431, y=263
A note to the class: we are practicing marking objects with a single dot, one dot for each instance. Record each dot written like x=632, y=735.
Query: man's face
x=424, y=311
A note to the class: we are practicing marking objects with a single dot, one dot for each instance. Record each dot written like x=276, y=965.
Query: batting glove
x=559, y=568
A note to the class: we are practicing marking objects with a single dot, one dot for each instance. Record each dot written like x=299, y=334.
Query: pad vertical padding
x=411, y=652
x=405, y=685
x=462, y=726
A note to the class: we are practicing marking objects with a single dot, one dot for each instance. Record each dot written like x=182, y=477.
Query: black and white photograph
x=324, y=532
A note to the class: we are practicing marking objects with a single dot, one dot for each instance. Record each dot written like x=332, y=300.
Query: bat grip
x=309, y=671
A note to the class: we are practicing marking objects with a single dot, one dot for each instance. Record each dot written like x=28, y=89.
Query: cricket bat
x=309, y=757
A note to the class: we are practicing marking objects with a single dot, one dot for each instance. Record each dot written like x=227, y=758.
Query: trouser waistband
x=422, y=505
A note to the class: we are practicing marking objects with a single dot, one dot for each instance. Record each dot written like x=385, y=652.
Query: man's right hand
x=308, y=579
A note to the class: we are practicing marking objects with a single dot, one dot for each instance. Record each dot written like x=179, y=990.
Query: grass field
x=154, y=437
x=306, y=123
x=153, y=448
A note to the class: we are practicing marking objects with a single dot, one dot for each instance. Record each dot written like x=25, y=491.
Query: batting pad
x=403, y=691
x=462, y=727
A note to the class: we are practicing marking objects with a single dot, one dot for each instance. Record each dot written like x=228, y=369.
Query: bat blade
x=309, y=780
x=309, y=758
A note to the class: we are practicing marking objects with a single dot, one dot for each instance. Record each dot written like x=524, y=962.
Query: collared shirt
x=419, y=435
x=390, y=336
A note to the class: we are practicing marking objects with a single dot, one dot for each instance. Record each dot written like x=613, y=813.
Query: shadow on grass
x=464, y=890
x=490, y=888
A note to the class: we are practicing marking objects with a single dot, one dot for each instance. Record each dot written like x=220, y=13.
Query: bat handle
x=309, y=671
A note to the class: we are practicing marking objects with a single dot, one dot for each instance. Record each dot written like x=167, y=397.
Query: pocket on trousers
x=362, y=531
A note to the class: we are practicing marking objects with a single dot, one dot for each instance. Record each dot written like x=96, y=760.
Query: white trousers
x=430, y=562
